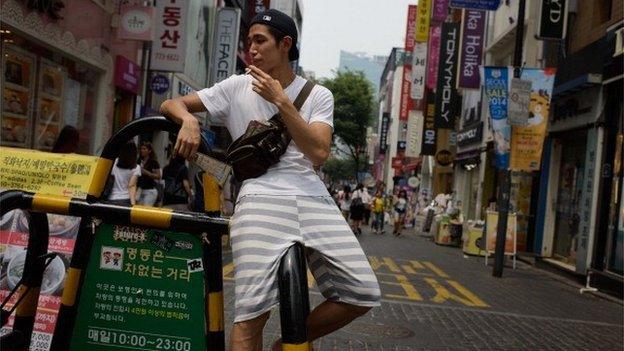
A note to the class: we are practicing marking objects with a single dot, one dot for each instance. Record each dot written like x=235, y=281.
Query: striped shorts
x=264, y=227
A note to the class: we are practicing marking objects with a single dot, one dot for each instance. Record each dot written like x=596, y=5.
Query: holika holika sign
x=446, y=95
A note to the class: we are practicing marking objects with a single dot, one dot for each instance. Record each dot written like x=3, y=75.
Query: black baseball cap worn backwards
x=281, y=22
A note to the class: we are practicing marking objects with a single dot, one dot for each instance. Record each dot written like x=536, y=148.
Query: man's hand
x=266, y=86
x=188, y=138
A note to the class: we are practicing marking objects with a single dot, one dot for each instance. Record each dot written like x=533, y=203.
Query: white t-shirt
x=122, y=180
x=235, y=104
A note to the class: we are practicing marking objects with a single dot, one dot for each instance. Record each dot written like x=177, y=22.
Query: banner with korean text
x=414, y=134
x=169, y=45
x=527, y=142
x=496, y=89
x=433, y=56
x=422, y=21
x=439, y=10
x=406, y=100
x=419, y=71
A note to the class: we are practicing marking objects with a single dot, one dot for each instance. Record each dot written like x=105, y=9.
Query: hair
x=152, y=154
x=403, y=192
x=67, y=141
x=127, y=156
x=359, y=186
x=277, y=34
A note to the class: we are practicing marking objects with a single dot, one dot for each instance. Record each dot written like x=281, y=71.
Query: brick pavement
x=435, y=298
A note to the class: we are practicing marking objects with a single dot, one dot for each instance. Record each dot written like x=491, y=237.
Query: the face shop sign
x=225, y=44
x=470, y=135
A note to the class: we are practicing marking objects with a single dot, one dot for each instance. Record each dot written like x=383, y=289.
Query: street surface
x=435, y=298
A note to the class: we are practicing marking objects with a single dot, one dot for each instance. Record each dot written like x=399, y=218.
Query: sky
x=371, y=26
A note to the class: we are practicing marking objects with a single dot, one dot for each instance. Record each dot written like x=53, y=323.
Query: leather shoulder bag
x=263, y=143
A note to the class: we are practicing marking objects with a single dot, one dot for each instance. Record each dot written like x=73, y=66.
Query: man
x=289, y=203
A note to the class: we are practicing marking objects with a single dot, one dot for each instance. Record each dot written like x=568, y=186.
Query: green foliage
x=353, y=111
x=337, y=169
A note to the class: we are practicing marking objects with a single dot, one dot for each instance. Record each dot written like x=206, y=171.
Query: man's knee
x=250, y=328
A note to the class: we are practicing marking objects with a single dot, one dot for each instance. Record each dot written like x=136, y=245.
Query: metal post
x=294, y=300
x=504, y=175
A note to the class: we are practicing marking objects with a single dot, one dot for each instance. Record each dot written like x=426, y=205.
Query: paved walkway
x=436, y=298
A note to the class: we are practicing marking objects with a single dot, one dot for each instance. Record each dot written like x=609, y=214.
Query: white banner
x=225, y=44
x=419, y=70
x=169, y=45
x=414, y=134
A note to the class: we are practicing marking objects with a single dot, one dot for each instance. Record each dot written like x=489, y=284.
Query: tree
x=353, y=112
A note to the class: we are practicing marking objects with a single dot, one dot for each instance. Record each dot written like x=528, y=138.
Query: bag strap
x=303, y=94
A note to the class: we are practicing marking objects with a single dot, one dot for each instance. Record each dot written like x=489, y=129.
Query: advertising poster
x=527, y=142
x=496, y=85
x=491, y=229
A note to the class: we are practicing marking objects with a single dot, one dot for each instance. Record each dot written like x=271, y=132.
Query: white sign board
x=414, y=134
x=225, y=44
x=419, y=70
x=518, y=104
x=169, y=45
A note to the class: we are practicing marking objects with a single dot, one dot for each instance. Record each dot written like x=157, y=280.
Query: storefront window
x=43, y=92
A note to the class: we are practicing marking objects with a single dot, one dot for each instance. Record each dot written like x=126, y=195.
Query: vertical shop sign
x=446, y=95
x=527, y=142
x=136, y=22
x=553, y=19
x=169, y=45
x=419, y=71
x=225, y=44
x=146, y=287
x=414, y=134
x=433, y=58
x=471, y=53
x=439, y=10
x=406, y=82
x=422, y=21
x=588, y=201
x=495, y=83
x=383, y=133
x=429, y=130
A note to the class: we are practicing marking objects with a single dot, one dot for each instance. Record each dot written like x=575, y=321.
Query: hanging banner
x=429, y=131
x=446, y=95
x=406, y=103
x=414, y=134
x=518, y=103
x=553, y=19
x=471, y=53
x=489, y=5
x=433, y=58
x=225, y=44
x=527, y=142
x=169, y=45
x=419, y=71
x=422, y=21
x=439, y=10
x=496, y=83
x=383, y=133
x=412, y=12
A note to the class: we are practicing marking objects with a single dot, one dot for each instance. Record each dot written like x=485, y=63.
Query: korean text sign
x=169, y=45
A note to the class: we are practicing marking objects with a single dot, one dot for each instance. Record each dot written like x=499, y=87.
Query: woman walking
x=125, y=173
x=150, y=173
x=357, y=209
x=400, y=208
x=378, y=213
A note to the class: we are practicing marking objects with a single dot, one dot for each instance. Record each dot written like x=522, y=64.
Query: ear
x=287, y=43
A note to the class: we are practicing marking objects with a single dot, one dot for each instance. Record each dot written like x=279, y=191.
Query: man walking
x=289, y=203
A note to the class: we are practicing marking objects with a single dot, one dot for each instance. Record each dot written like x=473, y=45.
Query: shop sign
x=489, y=5
x=414, y=134
x=413, y=181
x=67, y=175
x=433, y=58
x=225, y=44
x=159, y=84
x=527, y=142
x=397, y=162
x=401, y=145
x=422, y=21
x=406, y=103
x=419, y=71
x=410, y=28
x=145, y=290
x=383, y=133
x=444, y=157
x=588, y=201
x=169, y=45
x=136, y=22
x=470, y=135
x=553, y=19
x=439, y=10
x=446, y=94
x=496, y=85
x=471, y=53
x=127, y=74
x=52, y=8
x=518, y=104
x=429, y=138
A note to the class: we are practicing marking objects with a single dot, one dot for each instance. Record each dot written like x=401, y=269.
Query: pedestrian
x=356, y=209
x=400, y=208
x=344, y=201
x=177, y=193
x=289, y=204
x=125, y=174
x=67, y=141
x=378, y=212
x=150, y=173
x=366, y=199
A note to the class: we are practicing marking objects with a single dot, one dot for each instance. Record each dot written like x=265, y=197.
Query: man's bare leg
x=328, y=317
x=247, y=335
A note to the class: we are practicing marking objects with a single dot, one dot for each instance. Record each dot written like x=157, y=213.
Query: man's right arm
x=179, y=110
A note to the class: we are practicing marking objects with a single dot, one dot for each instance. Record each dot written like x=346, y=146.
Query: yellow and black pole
x=293, y=297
